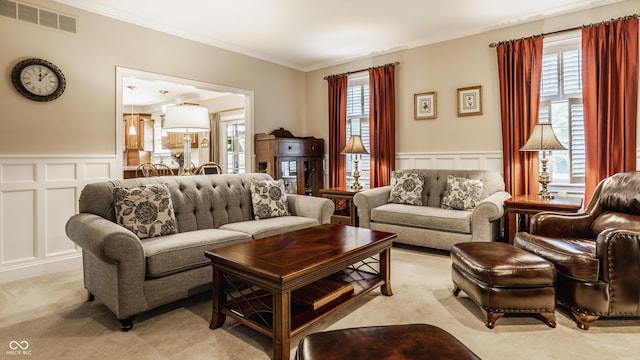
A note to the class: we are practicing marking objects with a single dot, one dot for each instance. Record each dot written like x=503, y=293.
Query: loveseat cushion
x=406, y=188
x=171, y=254
x=272, y=226
x=423, y=217
x=462, y=193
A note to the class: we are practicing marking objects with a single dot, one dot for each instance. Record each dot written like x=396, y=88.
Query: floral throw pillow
x=406, y=188
x=146, y=210
x=268, y=198
x=462, y=193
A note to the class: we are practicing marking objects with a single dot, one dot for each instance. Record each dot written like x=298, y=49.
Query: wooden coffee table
x=282, y=284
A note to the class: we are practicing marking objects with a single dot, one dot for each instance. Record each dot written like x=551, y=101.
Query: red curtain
x=519, y=69
x=382, y=115
x=610, y=97
x=337, y=129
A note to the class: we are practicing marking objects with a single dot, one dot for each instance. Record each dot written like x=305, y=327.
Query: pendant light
x=132, y=128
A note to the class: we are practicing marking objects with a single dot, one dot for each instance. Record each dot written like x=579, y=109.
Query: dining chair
x=146, y=170
x=163, y=170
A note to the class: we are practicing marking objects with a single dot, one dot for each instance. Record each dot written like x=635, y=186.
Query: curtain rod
x=634, y=16
x=357, y=71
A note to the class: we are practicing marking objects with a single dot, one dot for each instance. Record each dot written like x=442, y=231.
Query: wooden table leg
x=385, y=272
x=218, y=300
x=511, y=226
x=281, y=325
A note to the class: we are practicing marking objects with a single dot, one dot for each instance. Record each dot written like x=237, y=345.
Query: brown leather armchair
x=596, y=252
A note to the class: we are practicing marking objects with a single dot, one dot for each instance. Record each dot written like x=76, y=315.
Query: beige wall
x=444, y=67
x=82, y=120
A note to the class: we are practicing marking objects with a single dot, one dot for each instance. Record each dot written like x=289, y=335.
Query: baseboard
x=41, y=267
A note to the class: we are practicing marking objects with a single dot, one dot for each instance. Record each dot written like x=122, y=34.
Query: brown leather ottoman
x=414, y=341
x=501, y=278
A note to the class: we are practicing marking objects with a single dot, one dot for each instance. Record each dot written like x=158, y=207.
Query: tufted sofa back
x=200, y=201
x=436, y=182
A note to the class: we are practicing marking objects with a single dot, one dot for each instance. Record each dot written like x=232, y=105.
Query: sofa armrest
x=617, y=251
x=313, y=207
x=106, y=240
x=487, y=211
x=368, y=200
x=559, y=224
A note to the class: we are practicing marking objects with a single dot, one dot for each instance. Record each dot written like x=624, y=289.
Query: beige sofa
x=430, y=225
x=130, y=275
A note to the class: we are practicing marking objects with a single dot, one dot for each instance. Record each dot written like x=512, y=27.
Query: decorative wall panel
x=38, y=194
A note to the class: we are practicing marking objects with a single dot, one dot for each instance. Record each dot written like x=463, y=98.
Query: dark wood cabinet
x=297, y=160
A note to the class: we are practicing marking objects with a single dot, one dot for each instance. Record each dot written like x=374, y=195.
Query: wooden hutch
x=296, y=160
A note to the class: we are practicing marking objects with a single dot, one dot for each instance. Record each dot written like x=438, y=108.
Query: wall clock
x=38, y=79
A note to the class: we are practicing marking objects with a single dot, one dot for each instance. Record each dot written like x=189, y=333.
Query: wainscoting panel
x=488, y=160
x=59, y=207
x=38, y=194
x=18, y=219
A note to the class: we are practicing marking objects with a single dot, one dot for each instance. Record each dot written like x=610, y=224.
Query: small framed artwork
x=424, y=105
x=470, y=101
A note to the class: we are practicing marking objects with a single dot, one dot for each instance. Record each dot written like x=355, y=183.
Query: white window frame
x=358, y=124
x=572, y=136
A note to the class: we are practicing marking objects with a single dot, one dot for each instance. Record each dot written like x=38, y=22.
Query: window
x=358, y=124
x=561, y=105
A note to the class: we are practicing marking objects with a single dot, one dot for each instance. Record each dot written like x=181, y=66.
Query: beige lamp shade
x=354, y=146
x=542, y=138
x=186, y=119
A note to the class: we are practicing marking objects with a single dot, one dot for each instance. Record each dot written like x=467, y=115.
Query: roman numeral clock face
x=38, y=80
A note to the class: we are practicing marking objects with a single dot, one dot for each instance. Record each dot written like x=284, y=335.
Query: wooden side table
x=529, y=205
x=346, y=212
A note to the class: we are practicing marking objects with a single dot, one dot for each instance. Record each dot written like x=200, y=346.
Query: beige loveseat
x=130, y=275
x=429, y=225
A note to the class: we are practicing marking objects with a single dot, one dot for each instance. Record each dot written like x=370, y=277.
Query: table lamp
x=356, y=147
x=543, y=139
x=186, y=119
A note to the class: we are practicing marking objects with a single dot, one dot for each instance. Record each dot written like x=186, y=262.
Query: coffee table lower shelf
x=254, y=308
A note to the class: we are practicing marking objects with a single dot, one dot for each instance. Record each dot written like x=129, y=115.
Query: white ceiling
x=148, y=94
x=312, y=34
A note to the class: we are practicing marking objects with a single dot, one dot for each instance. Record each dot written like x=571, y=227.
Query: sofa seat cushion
x=423, y=217
x=171, y=254
x=574, y=258
x=267, y=227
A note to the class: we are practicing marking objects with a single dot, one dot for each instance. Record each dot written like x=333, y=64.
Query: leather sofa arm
x=488, y=210
x=617, y=251
x=558, y=224
x=313, y=207
x=367, y=200
x=105, y=239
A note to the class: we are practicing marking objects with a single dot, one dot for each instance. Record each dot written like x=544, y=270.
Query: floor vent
x=38, y=16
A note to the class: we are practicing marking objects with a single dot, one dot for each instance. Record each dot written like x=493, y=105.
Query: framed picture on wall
x=424, y=105
x=470, y=101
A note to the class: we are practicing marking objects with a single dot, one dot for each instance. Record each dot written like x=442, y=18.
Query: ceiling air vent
x=8, y=9
x=38, y=16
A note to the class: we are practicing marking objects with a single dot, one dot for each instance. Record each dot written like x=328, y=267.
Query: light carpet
x=51, y=314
